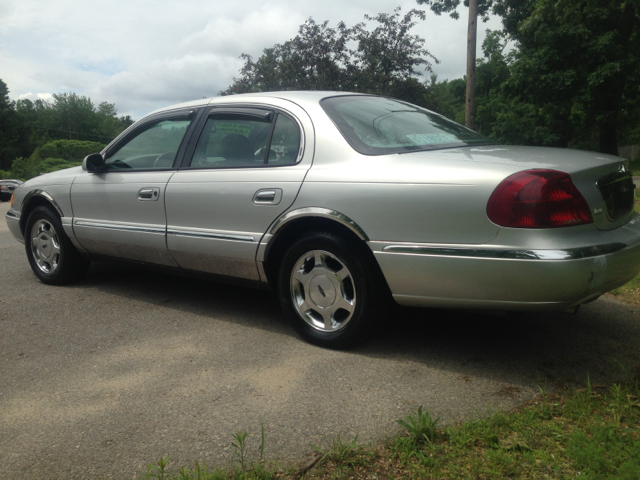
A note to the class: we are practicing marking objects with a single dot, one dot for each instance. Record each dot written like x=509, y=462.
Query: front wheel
x=328, y=290
x=52, y=256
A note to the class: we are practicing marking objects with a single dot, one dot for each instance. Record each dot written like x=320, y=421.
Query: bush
x=69, y=150
x=54, y=164
x=24, y=168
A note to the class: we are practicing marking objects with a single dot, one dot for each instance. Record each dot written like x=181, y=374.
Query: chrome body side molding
x=206, y=233
x=126, y=227
x=484, y=252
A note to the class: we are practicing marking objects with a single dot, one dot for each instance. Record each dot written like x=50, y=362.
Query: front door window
x=155, y=147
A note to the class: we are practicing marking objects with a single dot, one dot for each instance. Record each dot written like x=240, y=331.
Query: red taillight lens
x=538, y=199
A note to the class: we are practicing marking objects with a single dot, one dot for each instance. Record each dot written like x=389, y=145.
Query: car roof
x=300, y=97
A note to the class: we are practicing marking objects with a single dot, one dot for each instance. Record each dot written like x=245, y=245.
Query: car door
x=119, y=211
x=245, y=170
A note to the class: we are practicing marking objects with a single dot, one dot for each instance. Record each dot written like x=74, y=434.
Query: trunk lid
x=604, y=180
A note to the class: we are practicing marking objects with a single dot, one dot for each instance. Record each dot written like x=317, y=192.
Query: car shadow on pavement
x=600, y=343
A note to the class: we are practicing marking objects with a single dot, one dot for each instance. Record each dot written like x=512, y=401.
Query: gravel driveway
x=103, y=377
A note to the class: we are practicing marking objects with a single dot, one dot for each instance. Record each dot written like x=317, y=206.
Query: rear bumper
x=499, y=278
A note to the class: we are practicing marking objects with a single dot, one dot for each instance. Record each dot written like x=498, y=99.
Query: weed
x=349, y=454
x=543, y=396
x=158, y=471
x=240, y=446
x=422, y=428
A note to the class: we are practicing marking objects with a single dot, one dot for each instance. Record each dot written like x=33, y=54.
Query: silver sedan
x=339, y=202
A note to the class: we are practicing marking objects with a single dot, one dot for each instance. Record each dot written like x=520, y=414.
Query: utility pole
x=470, y=103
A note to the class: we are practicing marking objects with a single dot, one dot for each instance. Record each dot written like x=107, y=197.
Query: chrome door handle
x=268, y=196
x=149, y=194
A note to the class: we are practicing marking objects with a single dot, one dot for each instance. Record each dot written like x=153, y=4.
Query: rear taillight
x=538, y=199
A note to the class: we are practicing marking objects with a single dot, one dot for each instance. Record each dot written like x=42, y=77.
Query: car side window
x=155, y=147
x=285, y=143
x=232, y=140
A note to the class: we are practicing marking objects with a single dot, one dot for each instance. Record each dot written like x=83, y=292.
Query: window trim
x=248, y=110
x=183, y=114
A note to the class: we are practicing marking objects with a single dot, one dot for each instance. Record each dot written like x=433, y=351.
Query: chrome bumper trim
x=208, y=234
x=116, y=226
x=556, y=254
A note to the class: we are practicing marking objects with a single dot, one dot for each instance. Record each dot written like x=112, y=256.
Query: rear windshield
x=378, y=126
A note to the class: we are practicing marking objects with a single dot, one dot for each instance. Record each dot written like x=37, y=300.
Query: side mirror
x=93, y=162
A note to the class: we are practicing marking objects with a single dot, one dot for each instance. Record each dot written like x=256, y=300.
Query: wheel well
x=293, y=230
x=34, y=202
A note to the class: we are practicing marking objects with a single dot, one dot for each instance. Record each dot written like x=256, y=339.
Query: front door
x=120, y=211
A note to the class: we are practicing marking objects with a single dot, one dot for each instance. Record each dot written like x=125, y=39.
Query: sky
x=145, y=54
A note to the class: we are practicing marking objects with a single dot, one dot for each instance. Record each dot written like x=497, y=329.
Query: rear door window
x=236, y=139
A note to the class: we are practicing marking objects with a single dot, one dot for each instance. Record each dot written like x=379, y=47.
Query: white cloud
x=47, y=97
x=147, y=54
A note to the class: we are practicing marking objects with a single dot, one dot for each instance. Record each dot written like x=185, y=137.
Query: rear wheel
x=52, y=256
x=328, y=290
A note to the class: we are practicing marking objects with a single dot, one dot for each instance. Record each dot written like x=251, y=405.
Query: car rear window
x=378, y=126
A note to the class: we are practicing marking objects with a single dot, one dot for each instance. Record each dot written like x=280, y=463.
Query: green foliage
x=12, y=130
x=27, y=125
x=451, y=7
x=421, y=428
x=344, y=455
x=240, y=446
x=446, y=97
x=158, y=471
x=70, y=150
x=51, y=157
x=54, y=164
x=385, y=60
x=578, y=63
x=24, y=168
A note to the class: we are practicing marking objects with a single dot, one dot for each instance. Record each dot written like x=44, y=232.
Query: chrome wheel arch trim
x=317, y=212
x=505, y=253
x=40, y=193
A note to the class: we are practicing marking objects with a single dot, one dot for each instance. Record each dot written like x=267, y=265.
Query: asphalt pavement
x=100, y=378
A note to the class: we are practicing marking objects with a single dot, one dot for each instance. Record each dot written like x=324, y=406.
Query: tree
x=26, y=125
x=385, y=60
x=476, y=8
x=578, y=62
x=12, y=130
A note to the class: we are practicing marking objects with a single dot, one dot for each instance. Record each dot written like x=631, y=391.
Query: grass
x=634, y=166
x=588, y=433
x=630, y=293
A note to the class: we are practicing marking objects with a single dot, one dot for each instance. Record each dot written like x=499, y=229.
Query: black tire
x=329, y=290
x=52, y=256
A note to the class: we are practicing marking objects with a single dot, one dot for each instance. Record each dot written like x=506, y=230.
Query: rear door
x=245, y=169
x=120, y=212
